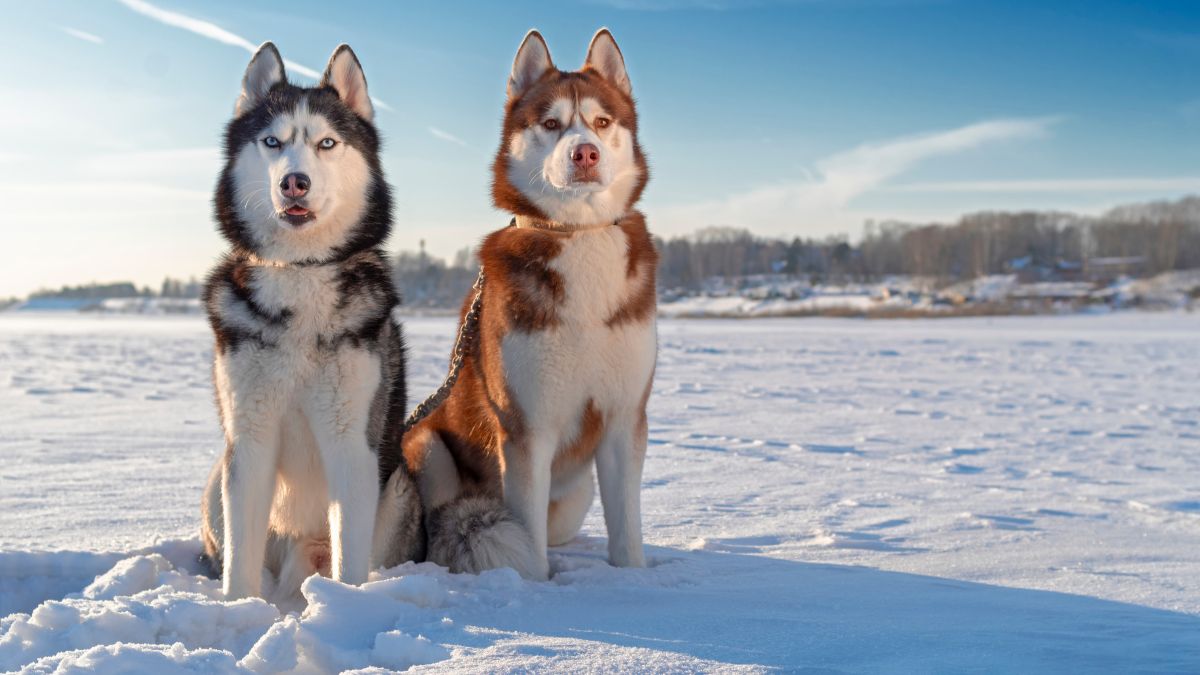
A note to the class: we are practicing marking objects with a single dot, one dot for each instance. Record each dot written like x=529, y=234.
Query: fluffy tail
x=474, y=533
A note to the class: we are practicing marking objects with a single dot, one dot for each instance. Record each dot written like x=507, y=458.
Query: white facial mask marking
x=339, y=178
x=540, y=165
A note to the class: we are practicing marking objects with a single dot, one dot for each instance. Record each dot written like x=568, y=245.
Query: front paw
x=623, y=557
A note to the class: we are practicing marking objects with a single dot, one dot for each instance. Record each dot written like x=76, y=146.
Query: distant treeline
x=1139, y=240
x=429, y=281
x=170, y=288
x=95, y=291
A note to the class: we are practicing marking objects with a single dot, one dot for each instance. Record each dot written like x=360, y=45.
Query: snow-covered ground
x=964, y=495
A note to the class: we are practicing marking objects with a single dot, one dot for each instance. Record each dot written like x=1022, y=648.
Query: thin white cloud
x=198, y=26
x=1129, y=184
x=849, y=174
x=82, y=35
x=447, y=136
x=819, y=205
x=214, y=32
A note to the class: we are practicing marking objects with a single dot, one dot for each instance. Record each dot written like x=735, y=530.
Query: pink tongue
x=297, y=211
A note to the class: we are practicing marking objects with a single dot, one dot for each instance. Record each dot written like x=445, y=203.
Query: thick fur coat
x=554, y=392
x=309, y=361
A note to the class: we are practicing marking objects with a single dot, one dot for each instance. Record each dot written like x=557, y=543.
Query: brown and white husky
x=558, y=378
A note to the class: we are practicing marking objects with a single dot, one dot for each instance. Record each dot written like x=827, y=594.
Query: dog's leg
x=569, y=509
x=527, y=493
x=247, y=488
x=337, y=407
x=399, y=530
x=212, y=523
x=619, y=467
x=298, y=558
x=437, y=479
x=252, y=393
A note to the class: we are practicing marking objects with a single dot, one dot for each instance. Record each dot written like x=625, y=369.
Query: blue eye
x=326, y=143
x=271, y=142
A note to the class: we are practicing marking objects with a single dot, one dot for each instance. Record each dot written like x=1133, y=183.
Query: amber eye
x=550, y=124
x=602, y=122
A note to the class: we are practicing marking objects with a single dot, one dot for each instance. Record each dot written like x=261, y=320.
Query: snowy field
x=825, y=496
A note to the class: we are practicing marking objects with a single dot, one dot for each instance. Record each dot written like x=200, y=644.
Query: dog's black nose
x=294, y=185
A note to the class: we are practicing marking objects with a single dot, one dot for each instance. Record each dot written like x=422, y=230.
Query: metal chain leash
x=467, y=335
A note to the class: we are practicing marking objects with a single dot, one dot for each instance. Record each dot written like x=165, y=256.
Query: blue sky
x=789, y=118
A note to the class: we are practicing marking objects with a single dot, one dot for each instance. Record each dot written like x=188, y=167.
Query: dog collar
x=543, y=224
x=263, y=262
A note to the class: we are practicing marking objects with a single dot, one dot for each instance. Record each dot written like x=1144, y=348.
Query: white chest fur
x=593, y=266
x=309, y=295
x=291, y=312
x=555, y=372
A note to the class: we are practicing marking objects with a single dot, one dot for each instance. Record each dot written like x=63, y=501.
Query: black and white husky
x=309, y=364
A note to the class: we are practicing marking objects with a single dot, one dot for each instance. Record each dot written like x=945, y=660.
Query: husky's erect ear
x=533, y=60
x=604, y=56
x=265, y=71
x=345, y=74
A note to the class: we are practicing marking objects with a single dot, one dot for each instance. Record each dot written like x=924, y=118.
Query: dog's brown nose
x=294, y=185
x=586, y=156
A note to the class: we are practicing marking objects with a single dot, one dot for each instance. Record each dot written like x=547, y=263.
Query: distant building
x=1111, y=268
